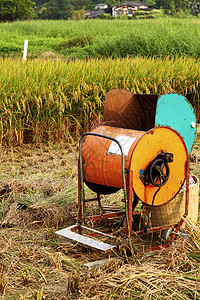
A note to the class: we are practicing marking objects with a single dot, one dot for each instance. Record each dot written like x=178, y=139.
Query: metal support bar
x=90, y=200
x=81, y=200
x=186, y=200
x=187, y=186
x=175, y=232
x=129, y=203
x=161, y=247
x=105, y=216
x=99, y=232
x=100, y=206
x=79, y=216
x=153, y=229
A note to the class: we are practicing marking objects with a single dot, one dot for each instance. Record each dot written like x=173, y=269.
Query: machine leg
x=79, y=198
x=187, y=186
x=129, y=202
x=100, y=206
x=186, y=200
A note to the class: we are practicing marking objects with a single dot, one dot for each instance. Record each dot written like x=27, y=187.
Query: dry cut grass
x=169, y=274
x=38, y=194
x=36, y=262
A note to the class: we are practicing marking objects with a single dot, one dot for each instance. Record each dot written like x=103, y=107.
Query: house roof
x=94, y=13
x=133, y=3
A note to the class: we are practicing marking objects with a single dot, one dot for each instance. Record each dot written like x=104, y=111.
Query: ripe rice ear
x=55, y=100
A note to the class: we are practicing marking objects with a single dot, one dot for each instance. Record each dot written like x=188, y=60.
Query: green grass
x=103, y=38
x=48, y=100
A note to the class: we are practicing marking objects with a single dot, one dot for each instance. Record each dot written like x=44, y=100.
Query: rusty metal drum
x=102, y=160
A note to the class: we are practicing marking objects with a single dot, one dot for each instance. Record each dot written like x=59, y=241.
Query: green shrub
x=78, y=15
x=76, y=41
x=106, y=16
x=181, y=14
x=123, y=17
x=153, y=14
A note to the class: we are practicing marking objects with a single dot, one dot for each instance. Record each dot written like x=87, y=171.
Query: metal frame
x=128, y=195
x=133, y=236
x=81, y=193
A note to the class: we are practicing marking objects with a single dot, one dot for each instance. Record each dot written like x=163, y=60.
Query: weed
x=73, y=282
x=25, y=251
x=3, y=280
x=40, y=294
x=25, y=276
x=77, y=41
x=55, y=260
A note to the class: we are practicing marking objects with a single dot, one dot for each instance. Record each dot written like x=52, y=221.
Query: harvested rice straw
x=142, y=282
x=193, y=231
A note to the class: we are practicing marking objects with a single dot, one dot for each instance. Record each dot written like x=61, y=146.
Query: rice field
x=48, y=100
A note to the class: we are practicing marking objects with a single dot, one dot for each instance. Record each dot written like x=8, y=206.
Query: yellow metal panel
x=152, y=143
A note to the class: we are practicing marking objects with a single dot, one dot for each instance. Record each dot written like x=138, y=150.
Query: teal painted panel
x=175, y=111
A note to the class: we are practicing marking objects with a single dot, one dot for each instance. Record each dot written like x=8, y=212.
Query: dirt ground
x=38, y=194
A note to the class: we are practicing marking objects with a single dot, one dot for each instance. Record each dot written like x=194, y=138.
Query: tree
x=183, y=5
x=171, y=6
x=56, y=9
x=81, y=4
x=40, y=2
x=111, y=3
x=11, y=10
x=167, y=5
x=150, y=2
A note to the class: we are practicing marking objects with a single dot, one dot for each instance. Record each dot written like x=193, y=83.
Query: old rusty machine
x=141, y=147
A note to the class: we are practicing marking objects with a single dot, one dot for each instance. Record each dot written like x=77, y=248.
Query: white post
x=25, y=49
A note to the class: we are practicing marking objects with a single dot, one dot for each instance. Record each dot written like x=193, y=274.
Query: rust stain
x=151, y=132
x=131, y=111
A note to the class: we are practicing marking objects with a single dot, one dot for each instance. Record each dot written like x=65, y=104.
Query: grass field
x=102, y=38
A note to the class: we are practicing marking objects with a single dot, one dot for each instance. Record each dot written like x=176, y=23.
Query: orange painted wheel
x=152, y=143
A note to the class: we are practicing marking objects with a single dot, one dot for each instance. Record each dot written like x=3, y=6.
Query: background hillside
x=65, y=9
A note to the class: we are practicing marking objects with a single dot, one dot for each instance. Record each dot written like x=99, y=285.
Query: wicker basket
x=172, y=212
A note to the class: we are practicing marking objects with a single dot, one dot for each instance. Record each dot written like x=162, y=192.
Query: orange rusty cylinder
x=102, y=160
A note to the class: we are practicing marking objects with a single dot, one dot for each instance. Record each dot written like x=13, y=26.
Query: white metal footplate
x=84, y=240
